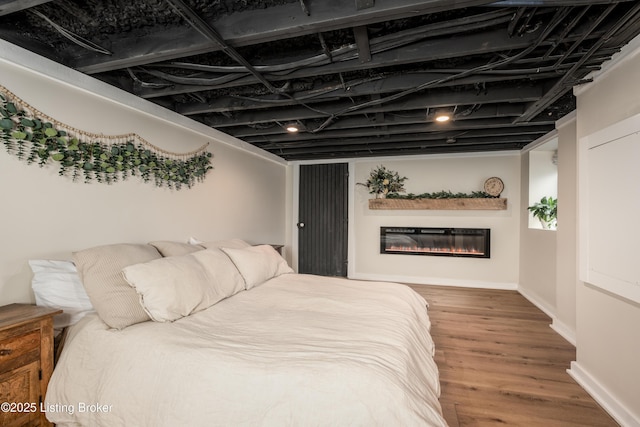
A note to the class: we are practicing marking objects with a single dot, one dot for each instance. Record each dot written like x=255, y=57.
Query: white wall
x=564, y=321
x=537, y=280
x=607, y=326
x=43, y=215
x=461, y=173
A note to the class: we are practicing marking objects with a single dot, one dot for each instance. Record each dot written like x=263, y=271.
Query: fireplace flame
x=451, y=250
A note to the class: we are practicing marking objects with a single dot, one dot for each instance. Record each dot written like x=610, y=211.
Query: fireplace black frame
x=478, y=241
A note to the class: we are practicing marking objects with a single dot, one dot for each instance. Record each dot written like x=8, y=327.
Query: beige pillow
x=174, y=287
x=100, y=268
x=168, y=248
x=257, y=264
x=226, y=276
x=231, y=243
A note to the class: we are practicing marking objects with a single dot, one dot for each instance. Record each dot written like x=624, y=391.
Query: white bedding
x=298, y=350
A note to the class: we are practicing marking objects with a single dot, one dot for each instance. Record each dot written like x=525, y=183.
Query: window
x=543, y=177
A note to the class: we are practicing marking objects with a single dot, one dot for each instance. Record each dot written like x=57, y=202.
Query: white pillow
x=174, y=287
x=194, y=241
x=257, y=264
x=56, y=284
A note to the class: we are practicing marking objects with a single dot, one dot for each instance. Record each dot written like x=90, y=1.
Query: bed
x=283, y=349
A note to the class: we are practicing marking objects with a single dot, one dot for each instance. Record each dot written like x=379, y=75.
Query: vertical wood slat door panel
x=322, y=241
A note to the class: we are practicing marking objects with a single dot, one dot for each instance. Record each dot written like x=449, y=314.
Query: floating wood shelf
x=439, y=204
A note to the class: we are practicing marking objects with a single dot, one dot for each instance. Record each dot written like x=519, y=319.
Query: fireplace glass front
x=456, y=242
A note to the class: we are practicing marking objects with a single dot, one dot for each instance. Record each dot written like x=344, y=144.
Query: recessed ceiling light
x=292, y=126
x=442, y=118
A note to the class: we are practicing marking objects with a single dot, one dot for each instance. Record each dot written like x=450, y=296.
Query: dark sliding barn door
x=322, y=219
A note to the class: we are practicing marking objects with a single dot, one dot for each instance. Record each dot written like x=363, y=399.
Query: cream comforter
x=299, y=350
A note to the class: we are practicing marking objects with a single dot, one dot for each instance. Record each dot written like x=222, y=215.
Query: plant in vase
x=383, y=181
x=546, y=210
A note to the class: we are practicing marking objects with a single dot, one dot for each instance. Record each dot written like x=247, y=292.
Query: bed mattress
x=298, y=350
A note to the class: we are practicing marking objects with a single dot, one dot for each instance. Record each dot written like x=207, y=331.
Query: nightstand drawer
x=21, y=389
x=26, y=363
x=22, y=348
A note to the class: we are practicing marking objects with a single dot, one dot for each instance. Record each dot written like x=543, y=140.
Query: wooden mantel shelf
x=439, y=204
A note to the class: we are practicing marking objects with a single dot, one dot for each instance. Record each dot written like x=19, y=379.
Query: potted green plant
x=546, y=210
x=383, y=181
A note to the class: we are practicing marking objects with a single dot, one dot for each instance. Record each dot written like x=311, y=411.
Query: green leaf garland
x=443, y=195
x=36, y=138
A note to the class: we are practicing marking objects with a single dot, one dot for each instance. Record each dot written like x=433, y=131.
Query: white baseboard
x=618, y=411
x=559, y=327
x=564, y=331
x=535, y=300
x=435, y=281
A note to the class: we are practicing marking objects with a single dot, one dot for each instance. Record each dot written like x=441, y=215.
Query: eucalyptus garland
x=36, y=138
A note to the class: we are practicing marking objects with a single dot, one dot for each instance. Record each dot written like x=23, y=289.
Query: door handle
x=300, y=225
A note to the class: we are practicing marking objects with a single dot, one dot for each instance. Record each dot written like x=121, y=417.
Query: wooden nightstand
x=26, y=363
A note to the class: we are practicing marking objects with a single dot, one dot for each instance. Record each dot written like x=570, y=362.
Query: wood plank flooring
x=501, y=364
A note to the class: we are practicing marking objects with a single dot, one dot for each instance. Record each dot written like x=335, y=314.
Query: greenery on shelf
x=384, y=182
x=387, y=183
x=443, y=195
x=546, y=211
x=39, y=139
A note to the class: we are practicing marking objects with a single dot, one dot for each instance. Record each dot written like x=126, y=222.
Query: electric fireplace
x=456, y=242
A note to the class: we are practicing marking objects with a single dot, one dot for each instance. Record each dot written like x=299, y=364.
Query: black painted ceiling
x=360, y=77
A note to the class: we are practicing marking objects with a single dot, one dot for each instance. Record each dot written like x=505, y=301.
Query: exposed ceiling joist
x=274, y=23
x=12, y=6
x=372, y=131
x=359, y=78
x=416, y=102
x=362, y=41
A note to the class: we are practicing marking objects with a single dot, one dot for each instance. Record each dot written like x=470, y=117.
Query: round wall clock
x=493, y=186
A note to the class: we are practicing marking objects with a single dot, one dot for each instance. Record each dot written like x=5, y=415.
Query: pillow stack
x=175, y=287
x=161, y=281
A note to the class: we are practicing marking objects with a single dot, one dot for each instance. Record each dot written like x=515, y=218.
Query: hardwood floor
x=501, y=364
